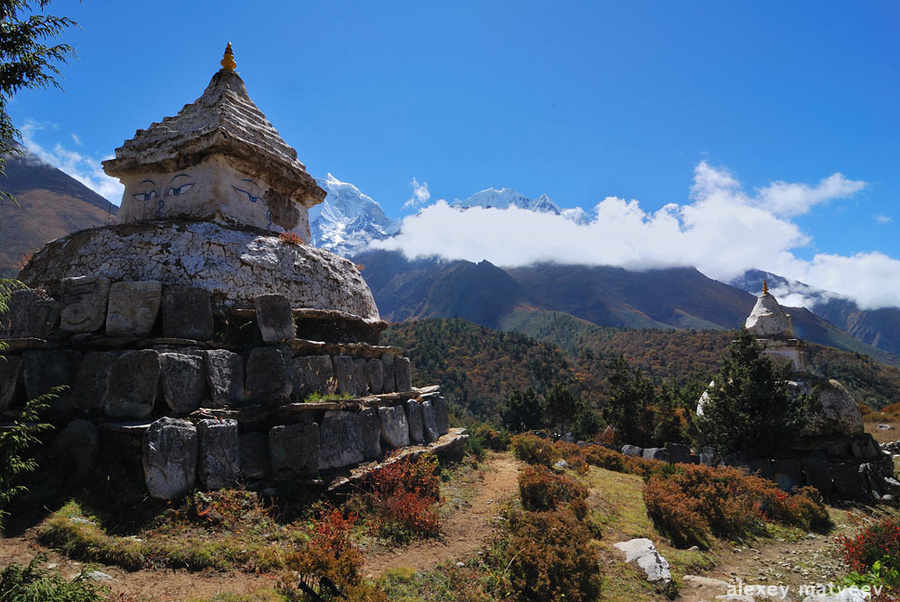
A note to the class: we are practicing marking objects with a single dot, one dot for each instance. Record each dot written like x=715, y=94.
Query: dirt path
x=465, y=531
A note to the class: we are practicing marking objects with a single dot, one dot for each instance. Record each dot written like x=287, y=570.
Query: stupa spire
x=228, y=60
x=765, y=287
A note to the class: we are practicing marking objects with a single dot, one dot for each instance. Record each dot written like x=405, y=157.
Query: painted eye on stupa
x=175, y=191
x=247, y=194
x=144, y=196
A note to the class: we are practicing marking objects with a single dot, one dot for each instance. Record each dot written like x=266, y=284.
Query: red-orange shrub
x=543, y=490
x=533, y=449
x=403, y=496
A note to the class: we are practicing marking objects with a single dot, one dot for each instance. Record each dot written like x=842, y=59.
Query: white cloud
x=86, y=170
x=884, y=219
x=721, y=230
x=420, y=195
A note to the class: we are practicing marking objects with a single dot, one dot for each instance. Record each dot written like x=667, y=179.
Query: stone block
x=294, y=450
x=340, y=440
x=170, y=457
x=32, y=313
x=345, y=375
x=224, y=378
x=45, y=369
x=187, y=313
x=441, y=414
x=133, y=307
x=83, y=303
x=402, y=380
x=708, y=456
x=274, y=318
x=762, y=467
x=370, y=426
x=219, y=461
x=313, y=374
x=849, y=484
x=655, y=453
x=132, y=385
x=394, y=426
x=89, y=390
x=416, y=421
x=375, y=375
x=816, y=474
x=388, y=385
x=254, y=450
x=268, y=376
x=182, y=381
x=431, y=429
x=12, y=384
x=678, y=453
x=361, y=376
x=633, y=450
x=75, y=449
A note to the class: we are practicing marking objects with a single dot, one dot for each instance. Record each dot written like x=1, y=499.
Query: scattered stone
x=84, y=300
x=678, y=453
x=294, y=450
x=361, y=376
x=345, y=375
x=132, y=385
x=643, y=553
x=75, y=449
x=370, y=426
x=375, y=374
x=655, y=453
x=340, y=440
x=850, y=594
x=182, y=380
x=133, y=307
x=394, y=426
x=32, y=313
x=219, y=457
x=224, y=377
x=402, y=380
x=388, y=384
x=170, y=457
x=633, y=450
x=560, y=465
x=11, y=381
x=416, y=422
x=313, y=374
x=98, y=576
x=187, y=313
x=885, y=427
x=268, y=377
x=441, y=415
x=274, y=318
x=431, y=429
x=254, y=450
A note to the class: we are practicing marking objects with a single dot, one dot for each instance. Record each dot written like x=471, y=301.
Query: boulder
x=847, y=594
x=32, y=313
x=633, y=450
x=132, y=385
x=345, y=375
x=394, y=426
x=655, y=453
x=89, y=390
x=431, y=429
x=11, y=381
x=837, y=415
x=254, y=451
x=375, y=375
x=224, y=377
x=313, y=374
x=268, y=376
x=133, y=307
x=219, y=453
x=388, y=384
x=294, y=450
x=643, y=553
x=83, y=303
x=402, y=381
x=182, y=381
x=416, y=421
x=678, y=453
x=361, y=376
x=75, y=449
x=274, y=318
x=441, y=415
x=170, y=458
x=370, y=426
x=187, y=313
x=340, y=440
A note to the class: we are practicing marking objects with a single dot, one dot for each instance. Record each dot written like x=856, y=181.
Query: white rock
x=642, y=552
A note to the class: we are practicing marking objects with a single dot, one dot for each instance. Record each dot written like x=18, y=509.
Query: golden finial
x=765, y=287
x=228, y=60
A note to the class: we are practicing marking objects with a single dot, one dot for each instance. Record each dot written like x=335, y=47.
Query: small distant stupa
x=774, y=329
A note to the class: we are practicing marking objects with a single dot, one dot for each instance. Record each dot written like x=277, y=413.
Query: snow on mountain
x=348, y=220
x=791, y=293
x=506, y=198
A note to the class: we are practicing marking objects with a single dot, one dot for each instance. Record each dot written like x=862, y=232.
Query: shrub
x=551, y=557
x=542, y=490
x=692, y=503
x=872, y=545
x=35, y=583
x=533, y=449
x=290, y=238
x=490, y=438
x=403, y=496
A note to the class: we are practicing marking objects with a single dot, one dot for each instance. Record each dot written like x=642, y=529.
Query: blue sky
x=579, y=100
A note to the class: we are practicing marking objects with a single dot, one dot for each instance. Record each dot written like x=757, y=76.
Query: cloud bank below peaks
x=721, y=230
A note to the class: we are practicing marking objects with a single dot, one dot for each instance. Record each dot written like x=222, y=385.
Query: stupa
x=205, y=324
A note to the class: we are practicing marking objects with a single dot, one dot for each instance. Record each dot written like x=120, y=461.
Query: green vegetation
x=34, y=584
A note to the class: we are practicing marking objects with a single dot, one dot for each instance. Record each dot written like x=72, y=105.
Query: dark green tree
x=568, y=412
x=524, y=411
x=25, y=61
x=750, y=407
x=631, y=404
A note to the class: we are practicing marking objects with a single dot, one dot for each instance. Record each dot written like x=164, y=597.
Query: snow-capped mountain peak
x=505, y=198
